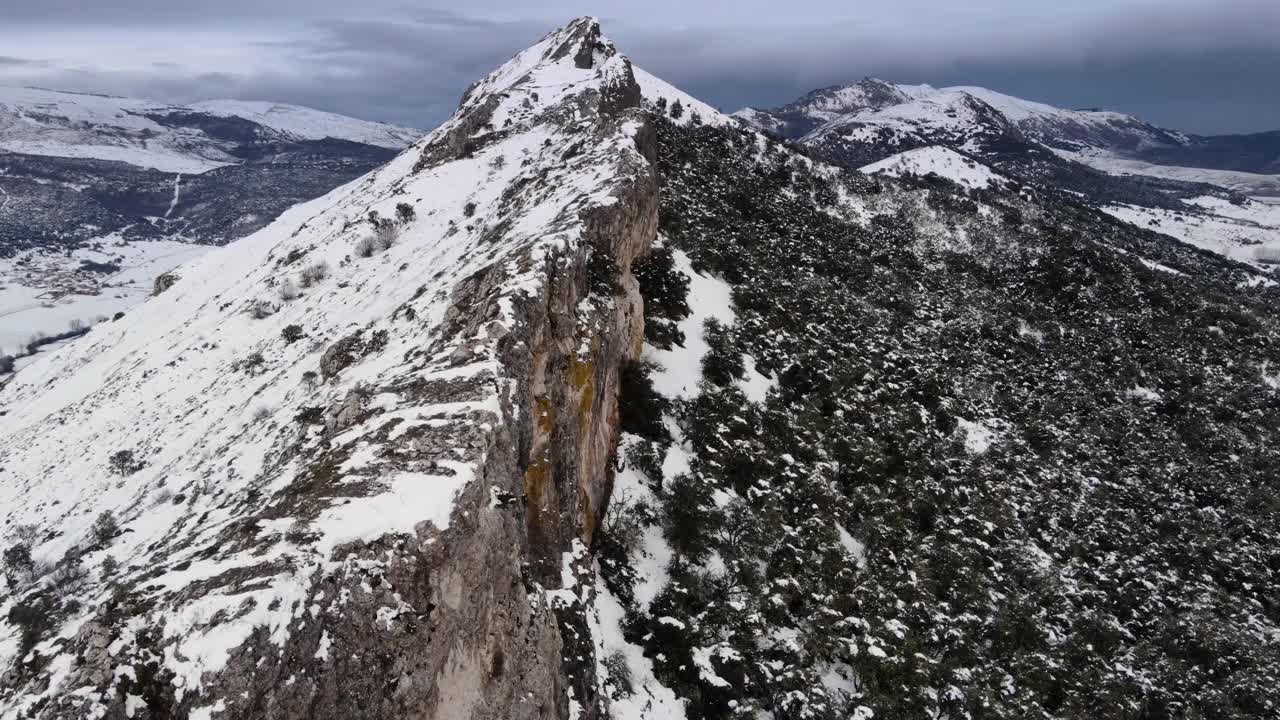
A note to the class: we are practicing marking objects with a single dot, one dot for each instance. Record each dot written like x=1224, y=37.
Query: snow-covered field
x=1248, y=233
x=45, y=293
x=1253, y=184
x=309, y=124
x=941, y=161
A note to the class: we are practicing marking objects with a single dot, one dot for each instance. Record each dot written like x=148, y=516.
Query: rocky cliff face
x=349, y=466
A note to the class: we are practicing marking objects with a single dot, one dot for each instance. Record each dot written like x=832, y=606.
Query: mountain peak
x=335, y=423
x=574, y=60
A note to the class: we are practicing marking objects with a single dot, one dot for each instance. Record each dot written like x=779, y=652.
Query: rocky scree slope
x=343, y=468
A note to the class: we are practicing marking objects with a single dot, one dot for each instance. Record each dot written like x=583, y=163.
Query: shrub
x=723, y=362
x=690, y=519
x=69, y=576
x=314, y=273
x=619, y=673
x=405, y=213
x=289, y=290
x=665, y=291
x=105, y=527
x=640, y=407
x=259, y=309
x=469, y=209
x=33, y=617
x=385, y=235
x=292, y=333
x=123, y=462
x=19, y=568
x=366, y=246
x=6, y=364
x=647, y=457
x=253, y=364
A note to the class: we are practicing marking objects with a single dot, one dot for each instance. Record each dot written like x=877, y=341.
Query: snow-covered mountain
x=175, y=139
x=338, y=428
x=594, y=403
x=95, y=191
x=1086, y=154
x=1098, y=133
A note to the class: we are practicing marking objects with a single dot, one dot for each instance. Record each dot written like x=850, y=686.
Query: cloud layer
x=1204, y=66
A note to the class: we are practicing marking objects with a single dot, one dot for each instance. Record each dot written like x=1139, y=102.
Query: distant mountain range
x=1092, y=132
x=1218, y=193
x=100, y=194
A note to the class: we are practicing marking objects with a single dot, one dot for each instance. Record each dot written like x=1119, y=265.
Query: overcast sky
x=1205, y=66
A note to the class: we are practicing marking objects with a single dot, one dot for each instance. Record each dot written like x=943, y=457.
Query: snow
x=853, y=546
x=1018, y=110
x=411, y=498
x=308, y=124
x=45, y=292
x=653, y=89
x=754, y=384
x=978, y=435
x=1145, y=394
x=680, y=369
x=1248, y=233
x=1242, y=182
x=649, y=698
x=938, y=160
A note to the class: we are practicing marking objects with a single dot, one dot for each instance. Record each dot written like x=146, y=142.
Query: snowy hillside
x=1248, y=232
x=148, y=134
x=940, y=161
x=1091, y=155
x=210, y=474
x=79, y=173
x=308, y=124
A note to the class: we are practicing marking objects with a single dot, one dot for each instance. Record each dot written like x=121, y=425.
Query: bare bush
x=386, y=234
x=314, y=273
x=366, y=246
x=69, y=576
x=26, y=533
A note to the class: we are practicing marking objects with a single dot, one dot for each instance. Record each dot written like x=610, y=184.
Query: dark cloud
x=1206, y=66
